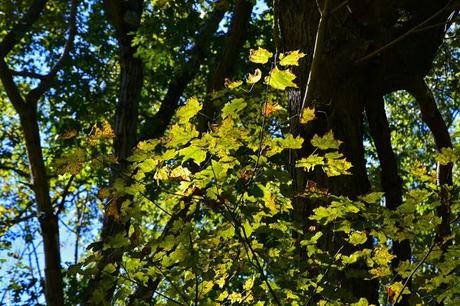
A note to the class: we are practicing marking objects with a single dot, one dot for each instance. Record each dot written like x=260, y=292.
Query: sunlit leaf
x=308, y=114
x=280, y=79
x=189, y=110
x=255, y=77
x=260, y=56
x=233, y=84
x=327, y=141
x=291, y=58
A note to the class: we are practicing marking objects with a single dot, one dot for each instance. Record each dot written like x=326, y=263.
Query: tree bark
x=125, y=16
x=361, y=49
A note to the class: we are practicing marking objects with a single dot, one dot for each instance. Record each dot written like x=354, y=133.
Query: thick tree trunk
x=355, y=50
x=125, y=17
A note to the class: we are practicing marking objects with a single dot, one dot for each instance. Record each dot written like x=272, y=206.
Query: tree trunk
x=355, y=49
x=125, y=17
x=46, y=216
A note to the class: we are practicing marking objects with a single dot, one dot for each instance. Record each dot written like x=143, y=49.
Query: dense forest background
x=224, y=152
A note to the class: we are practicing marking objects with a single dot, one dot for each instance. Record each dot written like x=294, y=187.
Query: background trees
x=119, y=135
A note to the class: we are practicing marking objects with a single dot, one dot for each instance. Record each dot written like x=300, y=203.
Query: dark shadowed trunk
x=433, y=119
x=125, y=16
x=357, y=51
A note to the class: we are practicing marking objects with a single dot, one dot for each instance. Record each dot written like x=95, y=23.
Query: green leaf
x=310, y=162
x=325, y=142
x=382, y=256
x=447, y=155
x=280, y=79
x=372, y=198
x=291, y=58
x=233, y=84
x=247, y=228
x=193, y=152
x=181, y=134
x=189, y=110
x=291, y=142
x=148, y=165
x=260, y=56
x=361, y=302
x=109, y=268
x=357, y=237
x=337, y=164
x=233, y=108
x=180, y=172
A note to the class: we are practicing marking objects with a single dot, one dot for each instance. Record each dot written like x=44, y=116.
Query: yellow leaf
x=260, y=56
x=189, y=110
x=291, y=59
x=232, y=84
x=248, y=284
x=325, y=142
x=308, y=115
x=254, y=78
x=280, y=79
x=180, y=172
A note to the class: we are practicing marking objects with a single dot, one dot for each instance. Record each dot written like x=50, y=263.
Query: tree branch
x=390, y=180
x=228, y=58
x=20, y=29
x=28, y=74
x=46, y=81
x=156, y=126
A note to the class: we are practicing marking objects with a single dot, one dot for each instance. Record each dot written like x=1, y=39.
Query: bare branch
x=28, y=74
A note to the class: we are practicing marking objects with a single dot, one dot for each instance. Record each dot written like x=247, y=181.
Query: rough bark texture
x=367, y=48
x=125, y=16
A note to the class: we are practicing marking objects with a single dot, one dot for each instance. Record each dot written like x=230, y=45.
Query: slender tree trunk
x=27, y=111
x=433, y=119
x=389, y=179
x=46, y=216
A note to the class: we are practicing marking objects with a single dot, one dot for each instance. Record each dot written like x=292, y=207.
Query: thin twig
x=413, y=272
